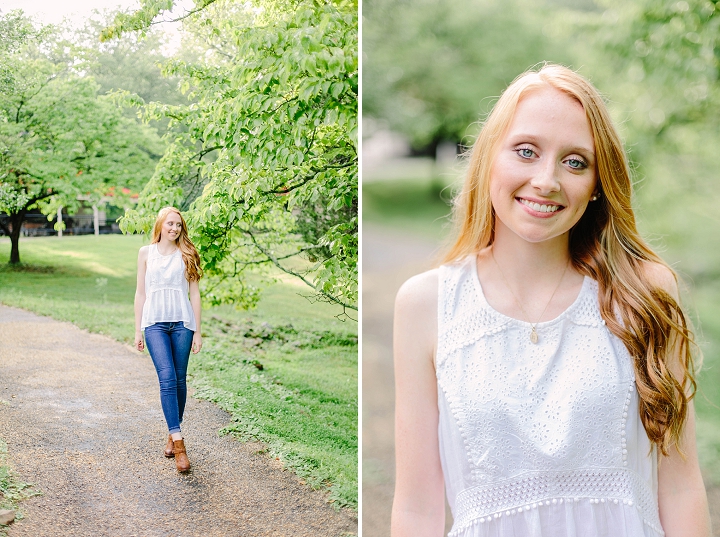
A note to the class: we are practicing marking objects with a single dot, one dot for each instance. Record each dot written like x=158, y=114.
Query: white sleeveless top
x=166, y=290
x=539, y=439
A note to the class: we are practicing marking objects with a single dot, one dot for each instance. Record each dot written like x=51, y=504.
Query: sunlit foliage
x=265, y=157
x=59, y=139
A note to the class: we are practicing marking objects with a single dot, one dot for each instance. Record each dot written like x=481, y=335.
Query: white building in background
x=98, y=219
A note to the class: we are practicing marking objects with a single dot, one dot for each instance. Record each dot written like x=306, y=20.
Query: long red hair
x=605, y=245
x=193, y=271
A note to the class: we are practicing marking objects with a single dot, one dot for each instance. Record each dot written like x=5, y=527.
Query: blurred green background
x=432, y=69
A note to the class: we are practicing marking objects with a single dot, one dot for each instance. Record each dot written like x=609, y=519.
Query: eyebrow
x=518, y=138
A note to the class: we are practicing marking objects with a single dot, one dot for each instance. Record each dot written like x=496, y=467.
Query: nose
x=546, y=178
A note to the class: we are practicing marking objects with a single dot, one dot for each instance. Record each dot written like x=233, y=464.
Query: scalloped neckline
x=162, y=254
x=506, y=318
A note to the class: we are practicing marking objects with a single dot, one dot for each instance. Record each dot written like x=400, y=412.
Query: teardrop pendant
x=533, y=335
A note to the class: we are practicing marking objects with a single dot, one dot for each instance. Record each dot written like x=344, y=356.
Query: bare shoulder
x=661, y=276
x=418, y=294
x=143, y=252
x=415, y=325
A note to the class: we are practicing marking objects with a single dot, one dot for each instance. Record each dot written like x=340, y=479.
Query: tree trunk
x=16, y=221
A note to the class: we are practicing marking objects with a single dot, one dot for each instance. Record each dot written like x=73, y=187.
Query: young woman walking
x=167, y=308
x=544, y=374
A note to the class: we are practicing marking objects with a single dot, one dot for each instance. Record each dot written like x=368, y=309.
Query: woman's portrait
x=167, y=318
x=549, y=358
x=539, y=414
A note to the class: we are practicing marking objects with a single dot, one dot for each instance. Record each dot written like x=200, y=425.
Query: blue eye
x=524, y=152
x=576, y=164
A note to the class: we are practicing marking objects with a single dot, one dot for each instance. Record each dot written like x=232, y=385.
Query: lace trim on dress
x=466, y=316
x=534, y=489
x=157, y=288
x=457, y=331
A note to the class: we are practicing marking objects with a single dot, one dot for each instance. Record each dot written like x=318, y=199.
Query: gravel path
x=81, y=417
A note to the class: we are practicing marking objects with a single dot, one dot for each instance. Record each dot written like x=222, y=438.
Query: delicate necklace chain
x=533, y=331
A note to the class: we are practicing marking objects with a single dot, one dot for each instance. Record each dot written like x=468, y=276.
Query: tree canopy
x=59, y=139
x=431, y=68
x=131, y=63
x=265, y=157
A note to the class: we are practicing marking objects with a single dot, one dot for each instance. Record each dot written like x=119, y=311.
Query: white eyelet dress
x=166, y=290
x=539, y=439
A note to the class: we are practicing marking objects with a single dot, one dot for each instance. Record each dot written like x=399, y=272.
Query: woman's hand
x=682, y=499
x=196, y=342
x=140, y=297
x=139, y=343
x=195, y=302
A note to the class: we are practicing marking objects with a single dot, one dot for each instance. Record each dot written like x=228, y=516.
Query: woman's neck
x=166, y=247
x=531, y=281
x=530, y=266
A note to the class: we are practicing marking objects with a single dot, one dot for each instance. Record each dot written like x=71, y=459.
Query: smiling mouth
x=540, y=207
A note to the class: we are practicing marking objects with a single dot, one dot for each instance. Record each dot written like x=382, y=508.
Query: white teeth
x=540, y=208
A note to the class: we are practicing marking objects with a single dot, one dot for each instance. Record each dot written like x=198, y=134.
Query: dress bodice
x=539, y=439
x=166, y=290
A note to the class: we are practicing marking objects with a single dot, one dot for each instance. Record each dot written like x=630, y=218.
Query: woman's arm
x=196, y=307
x=419, y=504
x=681, y=493
x=140, y=297
x=682, y=499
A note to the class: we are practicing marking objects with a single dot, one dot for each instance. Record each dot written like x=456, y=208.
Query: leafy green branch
x=280, y=120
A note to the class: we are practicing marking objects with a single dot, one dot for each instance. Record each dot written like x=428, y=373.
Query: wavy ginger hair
x=605, y=245
x=190, y=255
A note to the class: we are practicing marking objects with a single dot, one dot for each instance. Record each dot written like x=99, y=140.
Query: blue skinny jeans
x=169, y=345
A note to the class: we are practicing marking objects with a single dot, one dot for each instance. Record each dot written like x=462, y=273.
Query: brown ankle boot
x=169, y=447
x=181, y=460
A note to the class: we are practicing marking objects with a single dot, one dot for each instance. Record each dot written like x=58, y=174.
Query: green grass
x=286, y=371
x=89, y=281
